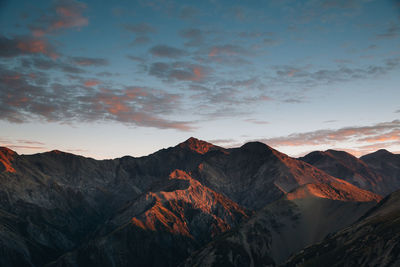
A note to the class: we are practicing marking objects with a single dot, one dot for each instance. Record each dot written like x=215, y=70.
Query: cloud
x=188, y=12
x=391, y=32
x=91, y=83
x=23, y=144
x=107, y=74
x=64, y=14
x=225, y=50
x=179, y=71
x=25, y=45
x=194, y=36
x=166, y=51
x=30, y=142
x=22, y=100
x=89, y=61
x=372, y=135
x=140, y=28
x=46, y=64
x=228, y=54
x=11, y=146
x=256, y=121
x=136, y=58
x=305, y=76
x=141, y=39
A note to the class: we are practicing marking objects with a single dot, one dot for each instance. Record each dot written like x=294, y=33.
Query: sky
x=106, y=79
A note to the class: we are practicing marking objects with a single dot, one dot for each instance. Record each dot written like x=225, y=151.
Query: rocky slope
x=378, y=172
x=303, y=217
x=255, y=174
x=387, y=165
x=60, y=209
x=345, y=166
x=372, y=241
x=170, y=222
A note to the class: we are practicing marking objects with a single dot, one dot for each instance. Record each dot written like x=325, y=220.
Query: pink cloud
x=197, y=74
x=64, y=14
x=36, y=46
x=91, y=83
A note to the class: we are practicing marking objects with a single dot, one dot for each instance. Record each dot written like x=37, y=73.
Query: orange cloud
x=91, y=83
x=198, y=74
x=63, y=15
x=213, y=52
x=36, y=46
x=132, y=93
x=33, y=46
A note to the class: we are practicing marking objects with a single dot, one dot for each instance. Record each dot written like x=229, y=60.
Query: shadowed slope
x=387, y=165
x=255, y=174
x=169, y=222
x=303, y=217
x=345, y=166
x=372, y=241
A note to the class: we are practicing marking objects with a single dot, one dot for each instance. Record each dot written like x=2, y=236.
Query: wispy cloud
x=63, y=14
x=188, y=12
x=140, y=28
x=181, y=71
x=194, y=36
x=88, y=61
x=141, y=31
x=254, y=121
x=392, y=31
x=91, y=83
x=166, y=51
x=48, y=64
x=310, y=77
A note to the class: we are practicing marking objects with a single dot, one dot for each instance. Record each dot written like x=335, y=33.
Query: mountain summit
x=199, y=146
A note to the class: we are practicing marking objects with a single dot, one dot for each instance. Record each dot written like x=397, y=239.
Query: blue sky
x=111, y=78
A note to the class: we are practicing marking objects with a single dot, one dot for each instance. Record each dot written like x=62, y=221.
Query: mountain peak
x=377, y=154
x=256, y=146
x=383, y=152
x=197, y=145
x=6, y=150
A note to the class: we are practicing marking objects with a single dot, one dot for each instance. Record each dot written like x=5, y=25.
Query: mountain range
x=197, y=204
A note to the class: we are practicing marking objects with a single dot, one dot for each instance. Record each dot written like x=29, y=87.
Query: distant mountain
x=387, y=165
x=374, y=240
x=60, y=209
x=345, y=166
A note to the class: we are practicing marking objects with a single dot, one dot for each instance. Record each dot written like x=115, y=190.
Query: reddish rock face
x=197, y=145
x=340, y=190
x=6, y=158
